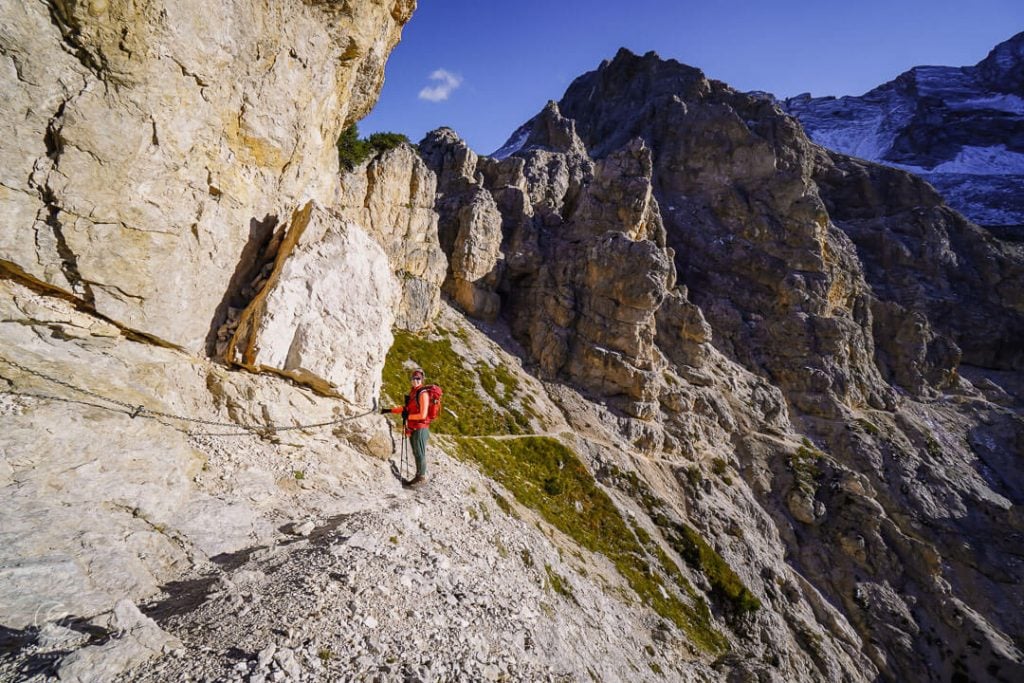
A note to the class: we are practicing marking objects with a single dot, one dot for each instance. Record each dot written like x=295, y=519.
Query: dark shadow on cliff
x=250, y=261
x=45, y=663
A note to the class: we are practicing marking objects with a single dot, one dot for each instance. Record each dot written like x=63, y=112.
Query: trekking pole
x=405, y=440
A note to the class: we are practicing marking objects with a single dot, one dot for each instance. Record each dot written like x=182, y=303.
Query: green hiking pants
x=418, y=441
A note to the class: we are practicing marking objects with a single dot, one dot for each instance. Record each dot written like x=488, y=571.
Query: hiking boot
x=416, y=482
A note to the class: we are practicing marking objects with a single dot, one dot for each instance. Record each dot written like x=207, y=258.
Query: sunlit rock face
x=806, y=362
x=170, y=173
x=846, y=288
x=152, y=148
x=324, y=315
x=570, y=249
x=392, y=197
x=961, y=128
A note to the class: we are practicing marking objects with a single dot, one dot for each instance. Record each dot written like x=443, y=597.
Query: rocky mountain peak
x=698, y=231
x=962, y=128
x=1003, y=69
x=619, y=99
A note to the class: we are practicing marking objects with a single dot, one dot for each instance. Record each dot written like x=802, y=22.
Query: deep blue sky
x=509, y=58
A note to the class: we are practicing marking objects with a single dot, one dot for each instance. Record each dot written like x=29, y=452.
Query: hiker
x=415, y=417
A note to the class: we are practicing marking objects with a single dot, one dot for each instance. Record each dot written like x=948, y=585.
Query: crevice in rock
x=51, y=139
x=371, y=183
x=240, y=347
x=188, y=74
x=254, y=267
x=54, y=145
x=14, y=273
x=69, y=260
x=61, y=17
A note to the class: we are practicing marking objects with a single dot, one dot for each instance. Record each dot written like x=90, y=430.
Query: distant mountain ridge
x=961, y=128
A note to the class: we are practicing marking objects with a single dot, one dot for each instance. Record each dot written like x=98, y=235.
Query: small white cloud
x=446, y=83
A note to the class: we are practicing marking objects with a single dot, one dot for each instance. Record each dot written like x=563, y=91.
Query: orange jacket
x=417, y=407
x=416, y=411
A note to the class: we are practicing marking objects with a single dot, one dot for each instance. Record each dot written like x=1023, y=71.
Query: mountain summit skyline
x=961, y=128
x=498, y=64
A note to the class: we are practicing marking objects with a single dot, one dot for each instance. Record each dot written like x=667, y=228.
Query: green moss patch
x=502, y=387
x=804, y=466
x=505, y=506
x=466, y=411
x=725, y=584
x=559, y=584
x=727, y=589
x=546, y=476
x=869, y=427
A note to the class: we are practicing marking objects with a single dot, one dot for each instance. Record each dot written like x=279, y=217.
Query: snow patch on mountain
x=961, y=128
x=862, y=138
x=995, y=160
x=514, y=144
x=1011, y=104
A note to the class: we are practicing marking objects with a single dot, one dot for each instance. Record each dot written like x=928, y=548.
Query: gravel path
x=437, y=583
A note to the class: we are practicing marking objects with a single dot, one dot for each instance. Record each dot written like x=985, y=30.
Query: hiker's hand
x=398, y=410
x=385, y=411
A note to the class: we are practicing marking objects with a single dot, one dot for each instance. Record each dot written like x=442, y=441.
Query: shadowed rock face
x=658, y=227
x=927, y=260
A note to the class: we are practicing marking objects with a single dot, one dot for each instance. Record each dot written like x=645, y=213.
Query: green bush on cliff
x=353, y=150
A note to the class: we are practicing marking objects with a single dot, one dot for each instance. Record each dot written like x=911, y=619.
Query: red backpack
x=433, y=402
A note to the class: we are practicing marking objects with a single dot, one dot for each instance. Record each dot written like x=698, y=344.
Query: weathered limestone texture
x=325, y=313
x=149, y=145
x=715, y=421
x=392, y=197
x=574, y=247
x=138, y=639
x=738, y=297
x=101, y=506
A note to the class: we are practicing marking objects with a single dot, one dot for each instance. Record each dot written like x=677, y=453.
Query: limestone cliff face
x=572, y=250
x=781, y=287
x=325, y=312
x=154, y=146
x=170, y=191
x=393, y=196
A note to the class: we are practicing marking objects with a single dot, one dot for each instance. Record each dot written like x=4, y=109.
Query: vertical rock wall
x=153, y=143
x=392, y=196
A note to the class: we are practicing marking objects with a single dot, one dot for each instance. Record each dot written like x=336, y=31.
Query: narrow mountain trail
x=561, y=436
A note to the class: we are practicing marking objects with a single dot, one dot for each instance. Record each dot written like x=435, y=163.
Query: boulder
x=324, y=316
x=137, y=639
